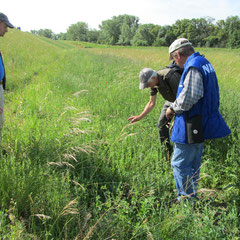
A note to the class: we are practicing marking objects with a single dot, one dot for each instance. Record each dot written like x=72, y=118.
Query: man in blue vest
x=4, y=25
x=197, y=116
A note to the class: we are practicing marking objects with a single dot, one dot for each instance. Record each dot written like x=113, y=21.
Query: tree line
x=127, y=31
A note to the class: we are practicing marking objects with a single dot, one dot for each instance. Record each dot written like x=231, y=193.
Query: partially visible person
x=197, y=116
x=164, y=81
x=4, y=25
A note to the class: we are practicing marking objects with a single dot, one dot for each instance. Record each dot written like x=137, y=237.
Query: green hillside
x=73, y=168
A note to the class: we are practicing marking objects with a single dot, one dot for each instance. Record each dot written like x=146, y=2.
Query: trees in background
x=119, y=30
x=196, y=30
x=146, y=35
x=44, y=33
x=126, y=30
x=77, y=32
x=232, y=28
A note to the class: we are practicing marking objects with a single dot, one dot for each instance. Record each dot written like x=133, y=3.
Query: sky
x=59, y=15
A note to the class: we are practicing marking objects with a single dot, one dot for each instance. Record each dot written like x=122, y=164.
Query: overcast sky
x=58, y=15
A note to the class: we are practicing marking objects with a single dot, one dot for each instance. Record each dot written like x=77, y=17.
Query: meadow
x=72, y=167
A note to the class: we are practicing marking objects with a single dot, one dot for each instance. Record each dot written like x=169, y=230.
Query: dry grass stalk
x=84, y=113
x=140, y=226
x=68, y=164
x=76, y=131
x=61, y=115
x=90, y=232
x=83, y=148
x=55, y=163
x=124, y=135
x=70, y=208
x=41, y=216
x=79, y=119
x=78, y=184
x=126, y=126
x=86, y=148
x=204, y=190
x=60, y=164
x=70, y=108
x=80, y=235
x=150, y=236
x=79, y=92
x=68, y=156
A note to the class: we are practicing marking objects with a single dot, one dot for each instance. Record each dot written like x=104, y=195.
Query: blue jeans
x=186, y=162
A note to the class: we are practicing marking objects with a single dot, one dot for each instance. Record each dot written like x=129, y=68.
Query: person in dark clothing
x=164, y=81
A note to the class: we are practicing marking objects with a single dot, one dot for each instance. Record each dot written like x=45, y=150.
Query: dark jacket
x=168, y=81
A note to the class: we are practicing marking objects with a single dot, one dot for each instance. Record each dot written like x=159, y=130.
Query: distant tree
x=126, y=35
x=93, y=35
x=145, y=35
x=204, y=27
x=169, y=36
x=62, y=36
x=35, y=32
x=196, y=30
x=217, y=37
x=221, y=34
x=128, y=29
x=118, y=30
x=110, y=31
x=44, y=33
x=179, y=29
x=77, y=32
x=211, y=41
x=164, y=37
x=232, y=26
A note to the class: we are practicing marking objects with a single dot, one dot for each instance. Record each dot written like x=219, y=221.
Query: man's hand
x=169, y=113
x=134, y=119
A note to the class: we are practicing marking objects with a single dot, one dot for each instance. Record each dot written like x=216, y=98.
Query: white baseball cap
x=178, y=43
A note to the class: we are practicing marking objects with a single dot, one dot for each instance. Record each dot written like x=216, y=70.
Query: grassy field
x=73, y=168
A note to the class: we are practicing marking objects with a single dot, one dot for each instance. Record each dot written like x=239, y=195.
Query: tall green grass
x=72, y=166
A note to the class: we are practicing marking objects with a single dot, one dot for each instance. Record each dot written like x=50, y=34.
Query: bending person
x=165, y=82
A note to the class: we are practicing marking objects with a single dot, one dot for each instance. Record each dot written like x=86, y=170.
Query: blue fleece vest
x=1, y=70
x=214, y=125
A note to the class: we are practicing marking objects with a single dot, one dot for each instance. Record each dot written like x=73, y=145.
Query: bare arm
x=148, y=108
